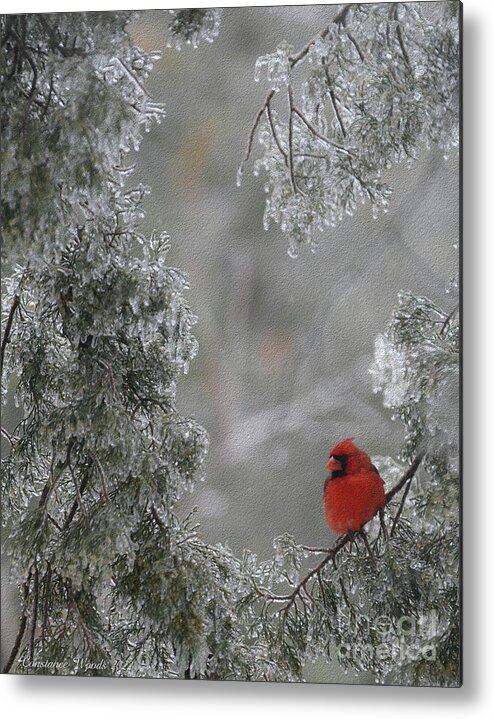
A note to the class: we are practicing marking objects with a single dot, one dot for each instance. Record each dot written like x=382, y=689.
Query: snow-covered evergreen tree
x=98, y=332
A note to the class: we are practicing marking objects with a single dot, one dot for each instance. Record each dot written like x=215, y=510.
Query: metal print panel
x=258, y=288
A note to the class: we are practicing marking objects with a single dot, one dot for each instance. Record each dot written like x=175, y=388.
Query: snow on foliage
x=377, y=86
x=98, y=334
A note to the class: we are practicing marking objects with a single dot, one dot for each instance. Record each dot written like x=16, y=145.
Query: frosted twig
x=133, y=77
x=275, y=136
x=338, y=20
x=11, y=439
x=255, y=126
x=399, y=34
x=8, y=327
x=334, y=101
x=321, y=137
x=294, y=60
x=290, y=141
x=400, y=508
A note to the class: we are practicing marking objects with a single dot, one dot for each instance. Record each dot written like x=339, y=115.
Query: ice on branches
x=394, y=612
x=277, y=66
x=97, y=350
x=377, y=86
x=98, y=333
x=74, y=104
x=417, y=369
x=193, y=26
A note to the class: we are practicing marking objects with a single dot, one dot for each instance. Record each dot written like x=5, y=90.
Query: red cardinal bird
x=354, y=490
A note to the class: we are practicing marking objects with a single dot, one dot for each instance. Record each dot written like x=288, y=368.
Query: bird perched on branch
x=353, y=491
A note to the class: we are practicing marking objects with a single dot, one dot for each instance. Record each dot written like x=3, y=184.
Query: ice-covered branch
x=332, y=552
x=8, y=327
x=376, y=86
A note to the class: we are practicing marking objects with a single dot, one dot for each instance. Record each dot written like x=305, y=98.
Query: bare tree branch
x=255, y=126
x=338, y=20
x=8, y=327
x=273, y=131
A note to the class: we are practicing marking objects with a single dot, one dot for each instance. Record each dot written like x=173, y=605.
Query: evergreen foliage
x=193, y=26
x=378, y=85
x=113, y=579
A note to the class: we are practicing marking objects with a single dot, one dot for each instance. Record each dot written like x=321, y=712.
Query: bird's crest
x=346, y=446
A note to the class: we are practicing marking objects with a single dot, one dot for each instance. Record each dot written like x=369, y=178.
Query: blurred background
x=285, y=345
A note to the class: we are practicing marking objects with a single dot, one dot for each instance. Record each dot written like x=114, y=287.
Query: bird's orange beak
x=333, y=465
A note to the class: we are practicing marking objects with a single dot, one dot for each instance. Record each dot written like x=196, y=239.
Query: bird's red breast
x=353, y=491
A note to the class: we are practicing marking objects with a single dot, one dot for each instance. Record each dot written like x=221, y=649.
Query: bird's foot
x=368, y=546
